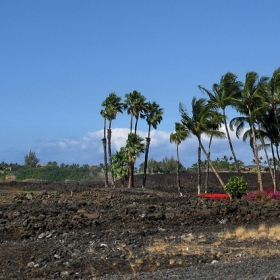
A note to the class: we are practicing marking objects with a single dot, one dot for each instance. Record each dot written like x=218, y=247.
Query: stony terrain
x=84, y=231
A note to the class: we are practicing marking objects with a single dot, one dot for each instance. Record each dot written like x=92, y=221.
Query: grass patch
x=239, y=232
x=197, y=245
x=242, y=233
x=221, y=246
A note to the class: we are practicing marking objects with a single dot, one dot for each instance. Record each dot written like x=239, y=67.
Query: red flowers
x=214, y=195
x=268, y=194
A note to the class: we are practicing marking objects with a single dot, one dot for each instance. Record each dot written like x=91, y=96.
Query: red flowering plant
x=214, y=195
x=263, y=195
x=235, y=187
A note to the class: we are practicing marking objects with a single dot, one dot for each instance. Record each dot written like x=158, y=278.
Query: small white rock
x=64, y=273
x=223, y=221
x=42, y=235
x=30, y=264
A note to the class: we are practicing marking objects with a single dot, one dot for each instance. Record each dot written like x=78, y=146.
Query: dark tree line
x=164, y=166
x=53, y=172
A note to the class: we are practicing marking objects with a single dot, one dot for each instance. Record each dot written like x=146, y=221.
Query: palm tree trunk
x=269, y=166
x=277, y=152
x=199, y=167
x=207, y=168
x=274, y=167
x=146, y=162
x=122, y=182
x=109, y=137
x=178, y=172
x=256, y=156
x=131, y=121
x=148, y=140
x=230, y=144
x=267, y=159
x=130, y=175
x=136, y=123
x=212, y=167
x=276, y=119
x=105, y=156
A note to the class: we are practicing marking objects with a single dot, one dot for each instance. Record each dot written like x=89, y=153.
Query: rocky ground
x=84, y=231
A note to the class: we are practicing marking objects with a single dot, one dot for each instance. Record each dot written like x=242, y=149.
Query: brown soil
x=84, y=231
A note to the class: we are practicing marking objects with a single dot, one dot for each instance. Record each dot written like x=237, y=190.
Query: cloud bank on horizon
x=88, y=149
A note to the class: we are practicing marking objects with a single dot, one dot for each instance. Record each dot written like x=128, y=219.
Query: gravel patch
x=253, y=269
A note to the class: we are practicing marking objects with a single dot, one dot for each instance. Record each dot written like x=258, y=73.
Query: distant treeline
x=169, y=165
x=51, y=172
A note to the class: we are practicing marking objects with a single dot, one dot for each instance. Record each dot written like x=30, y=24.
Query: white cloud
x=88, y=149
x=119, y=136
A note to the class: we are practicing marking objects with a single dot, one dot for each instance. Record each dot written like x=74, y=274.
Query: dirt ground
x=84, y=231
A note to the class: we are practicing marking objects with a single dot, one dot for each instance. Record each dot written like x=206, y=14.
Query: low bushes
x=236, y=186
x=264, y=195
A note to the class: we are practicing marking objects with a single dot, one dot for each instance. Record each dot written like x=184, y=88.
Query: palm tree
x=135, y=106
x=263, y=146
x=202, y=120
x=180, y=134
x=153, y=117
x=225, y=94
x=113, y=107
x=268, y=129
x=215, y=125
x=260, y=135
x=134, y=148
x=273, y=99
x=105, y=116
x=251, y=104
x=273, y=95
x=120, y=164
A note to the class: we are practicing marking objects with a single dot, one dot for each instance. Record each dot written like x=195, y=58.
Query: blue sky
x=60, y=59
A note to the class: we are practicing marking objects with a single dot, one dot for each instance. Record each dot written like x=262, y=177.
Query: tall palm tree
x=153, y=118
x=225, y=94
x=260, y=136
x=215, y=125
x=134, y=148
x=201, y=121
x=113, y=106
x=263, y=146
x=180, y=134
x=104, y=113
x=135, y=104
x=251, y=104
x=268, y=129
x=273, y=95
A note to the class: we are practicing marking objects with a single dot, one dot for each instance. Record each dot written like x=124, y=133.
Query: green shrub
x=235, y=186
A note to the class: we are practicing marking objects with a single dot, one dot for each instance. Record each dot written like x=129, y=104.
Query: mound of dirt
x=84, y=231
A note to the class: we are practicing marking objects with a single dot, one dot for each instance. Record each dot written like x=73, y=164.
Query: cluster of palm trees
x=121, y=164
x=257, y=102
